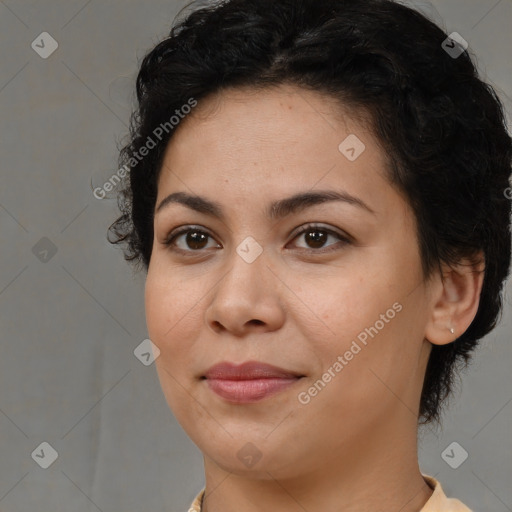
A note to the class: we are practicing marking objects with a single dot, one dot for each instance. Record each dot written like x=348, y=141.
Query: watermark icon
x=304, y=397
x=249, y=455
x=454, y=45
x=143, y=151
x=454, y=455
x=44, y=45
x=45, y=455
x=44, y=250
x=146, y=352
x=249, y=249
x=351, y=147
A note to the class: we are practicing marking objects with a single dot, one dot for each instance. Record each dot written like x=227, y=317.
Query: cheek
x=343, y=306
x=172, y=312
x=173, y=323
x=361, y=319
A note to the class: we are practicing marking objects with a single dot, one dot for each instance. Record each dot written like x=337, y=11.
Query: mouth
x=249, y=382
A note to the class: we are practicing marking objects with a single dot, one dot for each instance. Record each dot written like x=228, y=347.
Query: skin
x=353, y=446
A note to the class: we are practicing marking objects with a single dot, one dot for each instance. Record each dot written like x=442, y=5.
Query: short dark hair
x=442, y=127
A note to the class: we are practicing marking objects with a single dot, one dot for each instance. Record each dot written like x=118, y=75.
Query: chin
x=262, y=460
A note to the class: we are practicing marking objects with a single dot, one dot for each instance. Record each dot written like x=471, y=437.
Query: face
x=328, y=289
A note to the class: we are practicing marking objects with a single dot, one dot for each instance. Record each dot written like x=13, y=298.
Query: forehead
x=270, y=142
x=293, y=113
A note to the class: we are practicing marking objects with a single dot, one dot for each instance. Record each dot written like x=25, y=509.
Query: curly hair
x=442, y=126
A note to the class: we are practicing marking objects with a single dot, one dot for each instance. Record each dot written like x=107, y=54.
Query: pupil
x=317, y=240
x=195, y=238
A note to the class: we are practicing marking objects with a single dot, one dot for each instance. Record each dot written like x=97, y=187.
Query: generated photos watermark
x=305, y=397
x=166, y=127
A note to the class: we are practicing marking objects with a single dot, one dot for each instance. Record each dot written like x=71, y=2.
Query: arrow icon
x=146, y=352
x=454, y=45
x=247, y=252
x=454, y=455
x=249, y=455
x=44, y=455
x=44, y=250
x=44, y=45
x=351, y=147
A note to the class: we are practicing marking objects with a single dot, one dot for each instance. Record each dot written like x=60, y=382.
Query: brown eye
x=316, y=237
x=196, y=239
x=192, y=239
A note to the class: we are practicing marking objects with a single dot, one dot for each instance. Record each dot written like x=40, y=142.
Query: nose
x=247, y=299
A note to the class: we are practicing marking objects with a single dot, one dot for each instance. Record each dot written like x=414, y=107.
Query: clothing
x=438, y=502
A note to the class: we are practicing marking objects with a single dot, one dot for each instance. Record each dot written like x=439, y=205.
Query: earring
x=452, y=330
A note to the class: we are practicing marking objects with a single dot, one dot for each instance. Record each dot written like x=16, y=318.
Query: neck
x=378, y=470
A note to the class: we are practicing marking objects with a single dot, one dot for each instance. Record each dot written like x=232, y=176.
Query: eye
x=194, y=240
x=315, y=238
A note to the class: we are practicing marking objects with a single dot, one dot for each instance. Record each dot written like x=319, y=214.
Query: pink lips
x=249, y=382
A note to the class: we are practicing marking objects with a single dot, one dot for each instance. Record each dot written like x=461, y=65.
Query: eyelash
x=170, y=241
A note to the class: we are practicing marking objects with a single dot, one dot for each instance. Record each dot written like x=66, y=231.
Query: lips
x=249, y=382
x=248, y=371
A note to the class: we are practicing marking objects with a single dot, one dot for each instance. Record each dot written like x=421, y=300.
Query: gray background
x=70, y=324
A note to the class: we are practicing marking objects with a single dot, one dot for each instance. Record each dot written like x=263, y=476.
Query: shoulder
x=439, y=502
x=196, y=504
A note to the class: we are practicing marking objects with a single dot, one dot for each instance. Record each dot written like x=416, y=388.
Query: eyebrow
x=276, y=210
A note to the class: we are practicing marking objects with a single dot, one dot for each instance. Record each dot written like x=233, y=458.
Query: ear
x=455, y=299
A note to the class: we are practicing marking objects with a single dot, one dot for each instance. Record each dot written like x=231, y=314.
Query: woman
x=317, y=193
